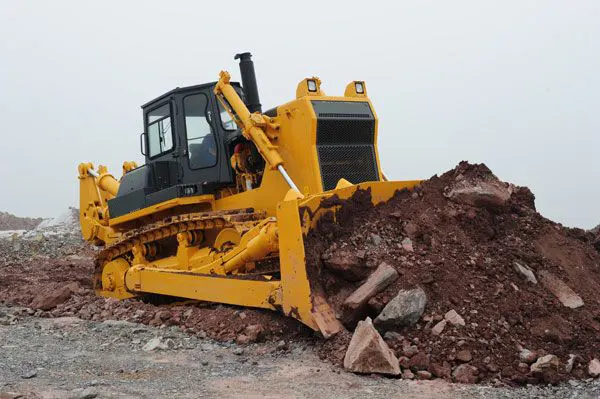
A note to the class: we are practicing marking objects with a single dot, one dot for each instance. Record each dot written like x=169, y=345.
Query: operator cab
x=188, y=141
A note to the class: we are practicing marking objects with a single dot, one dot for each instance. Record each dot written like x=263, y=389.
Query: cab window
x=202, y=148
x=159, y=128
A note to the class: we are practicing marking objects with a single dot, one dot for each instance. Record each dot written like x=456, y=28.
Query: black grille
x=345, y=142
x=345, y=131
x=355, y=163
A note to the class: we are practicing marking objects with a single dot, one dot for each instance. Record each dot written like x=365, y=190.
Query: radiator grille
x=345, y=142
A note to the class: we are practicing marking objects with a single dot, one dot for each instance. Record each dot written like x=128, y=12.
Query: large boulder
x=54, y=296
x=404, y=310
x=478, y=189
x=354, y=307
x=368, y=352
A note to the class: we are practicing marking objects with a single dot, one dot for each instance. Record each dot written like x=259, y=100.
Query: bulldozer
x=221, y=209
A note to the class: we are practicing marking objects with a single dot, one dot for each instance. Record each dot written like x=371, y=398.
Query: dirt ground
x=72, y=358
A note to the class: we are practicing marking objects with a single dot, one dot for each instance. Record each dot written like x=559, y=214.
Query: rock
x=481, y=193
x=29, y=374
x=407, y=375
x=50, y=299
x=403, y=310
x=423, y=375
x=441, y=370
x=354, y=307
x=594, y=368
x=420, y=361
x=559, y=289
x=238, y=351
x=254, y=332
x=368, y=352
x=544, y=362
x=523, y=368
x=527, y=356
x=465, y=374
x=411, y=229
x=454, y=318
x=282, y=345
x=464, y=356
x=154, y=344
x=439, y=327
x=570, y=363
x=404, y=362
x=553, y=328
x=525, y=272
x=346, y=264
x=407, y=245
x=375, y=239
x=409, y=350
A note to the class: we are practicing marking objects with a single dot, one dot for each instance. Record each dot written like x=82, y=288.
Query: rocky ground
x=463, y=280
x=68, y=357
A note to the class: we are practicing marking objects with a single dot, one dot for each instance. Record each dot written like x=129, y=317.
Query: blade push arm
x=253, y=126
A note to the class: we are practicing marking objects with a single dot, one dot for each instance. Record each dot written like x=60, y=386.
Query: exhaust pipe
x=249, y=81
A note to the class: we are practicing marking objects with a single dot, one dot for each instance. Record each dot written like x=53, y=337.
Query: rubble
x=544, y=362
x=403, y=310
x=525, y=272
x=368, y=352
x=353, y=307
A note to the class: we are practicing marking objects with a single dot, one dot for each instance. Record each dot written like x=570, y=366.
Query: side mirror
x=143, y=143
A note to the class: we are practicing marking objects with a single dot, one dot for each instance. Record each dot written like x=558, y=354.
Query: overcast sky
x=513, y=84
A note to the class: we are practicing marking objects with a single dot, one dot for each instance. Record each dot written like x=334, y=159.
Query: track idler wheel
x=113, y=280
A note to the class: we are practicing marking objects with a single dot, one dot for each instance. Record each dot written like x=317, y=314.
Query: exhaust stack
x=249, y=81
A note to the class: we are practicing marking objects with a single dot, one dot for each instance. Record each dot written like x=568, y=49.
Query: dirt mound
x=460, y=238
x=470, y=241
x=9, y=221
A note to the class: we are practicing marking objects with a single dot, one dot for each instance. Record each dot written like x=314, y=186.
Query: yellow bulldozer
x=221, y=208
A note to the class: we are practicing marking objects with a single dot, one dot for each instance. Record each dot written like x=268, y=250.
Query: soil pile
x=459, y=237
x=9, y=221
x=469, y=241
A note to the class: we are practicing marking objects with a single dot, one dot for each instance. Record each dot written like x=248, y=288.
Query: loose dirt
x=461, y=252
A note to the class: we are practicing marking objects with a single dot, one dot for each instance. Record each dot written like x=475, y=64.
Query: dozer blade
x=302, y=296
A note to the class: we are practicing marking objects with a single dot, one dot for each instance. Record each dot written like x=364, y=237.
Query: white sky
x=514, y=84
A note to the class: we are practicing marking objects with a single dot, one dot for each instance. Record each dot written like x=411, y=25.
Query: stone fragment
x=441, y=370
x=570, y=363
x=420, y=361
x=156, y=343
x=523, y=368
x=423, y=375
x=544, y=362
x=464, y=356
x=407, y=375
x=407, y=245
x=409, y=350
x=29, y=374
x=375, y=239
x=525, y=272
x=50, y=299
x=489, y=194
x=403, y=310
x=527, y=356
x=254, y=332
x=465, y=374
x=559, y=289
x=345, y=263
x=439, y=327
x=368, y=352
x=454, y=318
x=354, y=307
x=594, y=368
